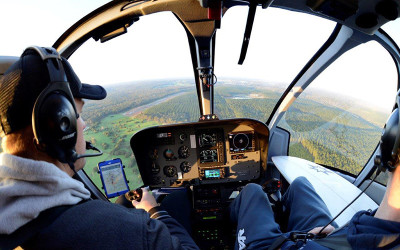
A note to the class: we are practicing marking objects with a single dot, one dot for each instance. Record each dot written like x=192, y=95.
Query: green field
x=112, y=134
x=326, y=129
x=229, y=103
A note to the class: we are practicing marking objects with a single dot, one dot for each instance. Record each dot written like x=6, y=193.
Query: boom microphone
x=89, y=146
x=75, y=156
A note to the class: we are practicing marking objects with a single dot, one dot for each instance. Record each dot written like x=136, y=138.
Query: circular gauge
x=185, y=166
x=156, y=180
x=182, y=137
x=170, y=171
x=184, y=152
x=169, y=154
x=241, y=141
x=155, y=168
x=153, y=154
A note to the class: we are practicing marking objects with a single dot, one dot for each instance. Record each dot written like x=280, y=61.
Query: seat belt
x=333, y=241
x=293, y=236
x=278, y=242
x=27, y=232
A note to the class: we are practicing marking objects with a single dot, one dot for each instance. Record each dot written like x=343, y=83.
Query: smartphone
x=113, y=177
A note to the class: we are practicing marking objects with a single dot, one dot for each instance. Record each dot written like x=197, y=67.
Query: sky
x=281, y=44
x=39, y=22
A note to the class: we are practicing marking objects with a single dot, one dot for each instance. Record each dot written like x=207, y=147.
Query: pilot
x=41, y=205
x=308, y=214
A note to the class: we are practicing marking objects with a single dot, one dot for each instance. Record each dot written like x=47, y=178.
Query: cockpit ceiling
x=364, y=15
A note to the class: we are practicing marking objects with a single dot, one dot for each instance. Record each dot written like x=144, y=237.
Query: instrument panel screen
x=209, y=155
x=207, y=140
x=212, y=173
x=241, y=142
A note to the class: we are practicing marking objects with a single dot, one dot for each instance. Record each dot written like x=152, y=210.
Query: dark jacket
x=364, y=231
x=101, y=225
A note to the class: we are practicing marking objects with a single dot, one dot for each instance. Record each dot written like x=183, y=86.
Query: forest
x=328, y=129
x=331, y=136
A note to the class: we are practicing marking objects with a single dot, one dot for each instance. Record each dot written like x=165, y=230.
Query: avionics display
x=210, y=155
x=241, y=142
x=212, y=173
x=210, y=147
x=207, y=139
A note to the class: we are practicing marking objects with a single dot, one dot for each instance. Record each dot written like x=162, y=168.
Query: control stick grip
x=134, y=195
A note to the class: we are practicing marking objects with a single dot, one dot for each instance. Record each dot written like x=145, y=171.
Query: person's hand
x=327, y=230
x=147, y=202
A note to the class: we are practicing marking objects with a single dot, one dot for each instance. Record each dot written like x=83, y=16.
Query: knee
x=252, y=189
x=300, y=183
x=252, y=195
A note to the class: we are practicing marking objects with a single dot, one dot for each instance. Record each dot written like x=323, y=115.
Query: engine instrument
x=201, y=153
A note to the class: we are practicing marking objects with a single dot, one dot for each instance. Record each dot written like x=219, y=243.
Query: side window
x=338, y=119
x=141, y=82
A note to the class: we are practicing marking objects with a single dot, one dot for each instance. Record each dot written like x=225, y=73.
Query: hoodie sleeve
x=168, y=232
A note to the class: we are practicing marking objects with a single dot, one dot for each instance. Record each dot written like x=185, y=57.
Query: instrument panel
x=201, y=153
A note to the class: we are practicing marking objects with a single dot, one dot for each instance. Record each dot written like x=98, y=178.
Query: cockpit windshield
x=148, y=74
x=149, y=77
x=217, y=107
x=392, y=28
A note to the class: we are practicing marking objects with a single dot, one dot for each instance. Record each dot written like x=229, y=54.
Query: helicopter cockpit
x=221, y=147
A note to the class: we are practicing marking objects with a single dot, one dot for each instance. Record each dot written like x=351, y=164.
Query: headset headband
x=55, y=67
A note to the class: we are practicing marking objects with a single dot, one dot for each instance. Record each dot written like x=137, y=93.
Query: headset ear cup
x=389, y=141
x=54, y=119
x=55, y=124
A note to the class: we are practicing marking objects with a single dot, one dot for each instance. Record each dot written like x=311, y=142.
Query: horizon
x=259, y=82
x=267, y=59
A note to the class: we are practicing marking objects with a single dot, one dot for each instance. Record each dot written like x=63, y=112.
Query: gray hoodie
x=29, y=187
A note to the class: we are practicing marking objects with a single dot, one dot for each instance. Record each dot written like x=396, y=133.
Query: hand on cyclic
x=147, y=202
x=327, y=230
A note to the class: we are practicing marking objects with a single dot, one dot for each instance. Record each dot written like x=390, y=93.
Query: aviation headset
x=54, y=116
x=390, y=141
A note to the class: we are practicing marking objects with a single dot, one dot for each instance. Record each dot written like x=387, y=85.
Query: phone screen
x=113, y=178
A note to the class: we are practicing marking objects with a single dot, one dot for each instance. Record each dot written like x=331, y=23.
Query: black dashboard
x=209, y=152
x=212, y=160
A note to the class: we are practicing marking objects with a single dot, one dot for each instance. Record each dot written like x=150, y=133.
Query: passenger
x=257, y=229
x=41, y=205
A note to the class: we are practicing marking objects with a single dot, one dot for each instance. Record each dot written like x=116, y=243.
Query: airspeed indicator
x=184, y=152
